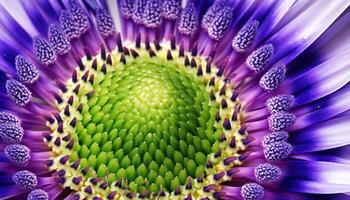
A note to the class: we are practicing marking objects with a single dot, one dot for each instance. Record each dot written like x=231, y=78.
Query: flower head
x=152, y=99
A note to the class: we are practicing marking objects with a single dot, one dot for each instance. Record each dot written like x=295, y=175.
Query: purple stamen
x=277, y=151
x=259, y=58
x=26, y=71
x=18, y=92
x=273, y=78
x=25, y=179
x=252, y=191
x=18, y=154
x=11, y=133
x=281, y=121
x=188, y=23
x=43, y=50
x=38, y=194
x=58, y=40
x=245, y=37
x=280, y=103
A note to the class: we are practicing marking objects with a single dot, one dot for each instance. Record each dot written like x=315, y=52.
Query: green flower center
x=147, y=125
x=148, y=120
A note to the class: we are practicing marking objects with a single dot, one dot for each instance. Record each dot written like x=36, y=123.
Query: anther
x=77, y=180
x=66, y=110
x=109, y=59
x=111, y=195
x=217, y=116
x=169, y=56
x=223, y=104
x=80, y=108
x=58, y=98
x=222, y=138
x=232, y=171
x=218, y=153
x=123, y=59
x=70, y=100
x=138, y=41
x=126, y=51
x=173, y=42
x=74, y=76
x=199, y=70
x=134, y=53
x=64, y=159
x=220, y=72
x=104, y=69
x=209, y=164
x=66, y=138
x=234, y=96
x=177, y=191
x=76, y=89
x=119, y=42
x=227, y=124
x=87, y=54
x=194, y=50
x=223, y=90
x=73, y=122
x=103, y=53
x=212, y=81
x=60, y=128
x=187, y=61
x=70, y=144
x=91, y=79
x=229, y=160
x=157, y=45
x=94, y=64
x=212, y=95
x=85, y=170
x=58, y=141
x=81, y=64
x=88, y=189
x=85, y=76
x=209, y=188
x=193, y=63
x=233, y=142
x=189, y=183
x=219, y=176
x=181, y=50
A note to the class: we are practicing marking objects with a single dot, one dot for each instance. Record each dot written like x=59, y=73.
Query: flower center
x=147, y=125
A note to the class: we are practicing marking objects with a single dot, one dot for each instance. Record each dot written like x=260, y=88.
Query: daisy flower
x=174, y=99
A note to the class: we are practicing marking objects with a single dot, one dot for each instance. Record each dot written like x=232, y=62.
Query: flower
x=174, y=99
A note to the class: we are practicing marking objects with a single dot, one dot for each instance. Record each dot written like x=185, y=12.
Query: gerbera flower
x=171, y=99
